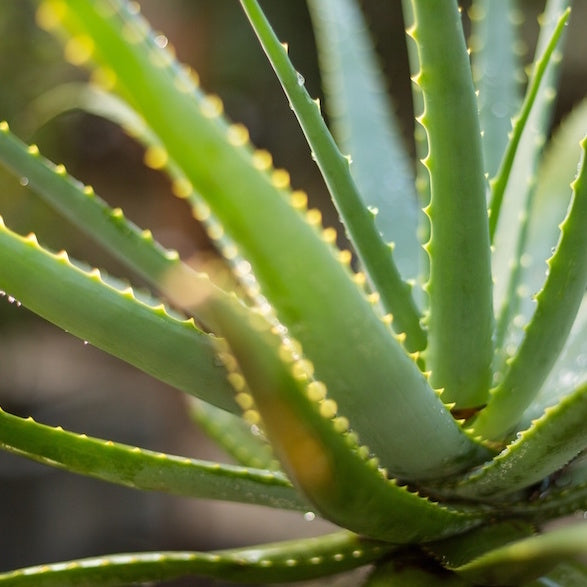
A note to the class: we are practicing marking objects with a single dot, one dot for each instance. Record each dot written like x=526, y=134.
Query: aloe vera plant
x=429, y=397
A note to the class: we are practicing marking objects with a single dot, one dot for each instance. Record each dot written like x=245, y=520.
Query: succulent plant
x=429, y=397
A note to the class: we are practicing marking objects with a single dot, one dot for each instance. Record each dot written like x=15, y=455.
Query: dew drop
x=162, y=41
x=12, y=300
x=24, y=181
x=309, y=516
x=499, y=109
x=301, y=80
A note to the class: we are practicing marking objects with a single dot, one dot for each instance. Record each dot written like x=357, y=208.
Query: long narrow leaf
x=496, y=70
x=365, y=126
x=512, y=190
x=557, y=306
x=148, y=337
x=517, y=226
x=460, y=319
x=528, y=558
x=351, y=348
x=376, y=256
x=294, y=560
x=143, y=469
x=323, y=457
x=524, y=462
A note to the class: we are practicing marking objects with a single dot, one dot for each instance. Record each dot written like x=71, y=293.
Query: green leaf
x=496, y=71
x=134, y=247
x=234, y=435
x=549, y=207
x=170, y=349
x=144, y=469
x=365, y=126
x=513, y=187
x=562, y=496
x=460, y=319
x=457, y=551
x=557, y=305
x=526, y=559
x=351, y=348
x=375, y=255
x=294, y=560
x=549, y=444
x=420, y=138
x=80, y=205
x=569, y=574
x=412, y=571
x=322, y=456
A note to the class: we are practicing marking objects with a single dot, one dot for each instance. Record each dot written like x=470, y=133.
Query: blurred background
x=48, y=515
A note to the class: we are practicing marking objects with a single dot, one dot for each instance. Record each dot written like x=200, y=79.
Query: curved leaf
x=551, y=38
x=415, y=571
x=568, y=574
x=549, y=206
x=496, y=71
x=351, y=348
x=515, y=183
x=365, y=126
x=549, y=444
x=376, y=256
x=169, y=349
x=237, y=437
x=557, y=306
x=319, y=452
x=294, y=560
x=460, y=317
x=144, y=469
x=457, y=551
x=528, y=558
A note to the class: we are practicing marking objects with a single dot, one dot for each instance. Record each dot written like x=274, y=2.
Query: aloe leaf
x=526, y=559
x=557, y=305
x=402, y=571
x=352, y=349
x=561, y=498
x=460, y=320
x=568, y=372
x=143, y=469
x=134, y=247
x=81, y=206
x=551, y=200
x=312, y=439
x=568, y=574
x=512, y=189
x=420, y=138
x=496, y=71
x=549, y=206
x=364, y=126
x=511, y=303
x=549, y=444
x=457, y=551
x=234, y=435
x=169, y=349
x=376, y=256
x=294, y=560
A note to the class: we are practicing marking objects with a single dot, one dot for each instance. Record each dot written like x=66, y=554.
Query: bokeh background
x=48, y=515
